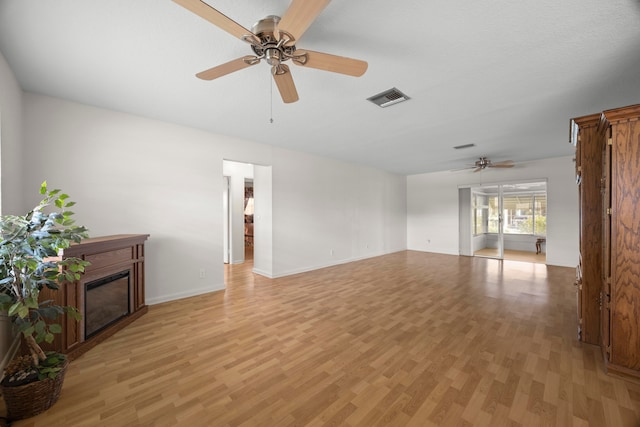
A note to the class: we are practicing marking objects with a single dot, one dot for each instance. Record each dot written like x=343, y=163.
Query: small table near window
x=539, y=242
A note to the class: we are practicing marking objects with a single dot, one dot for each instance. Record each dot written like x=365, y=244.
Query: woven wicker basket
x=27, y=400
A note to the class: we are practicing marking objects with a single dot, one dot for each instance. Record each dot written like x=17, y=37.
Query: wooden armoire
x=608, y=279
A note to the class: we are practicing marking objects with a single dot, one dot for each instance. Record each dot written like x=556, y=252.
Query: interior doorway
x=509, y=221
x=247, y=210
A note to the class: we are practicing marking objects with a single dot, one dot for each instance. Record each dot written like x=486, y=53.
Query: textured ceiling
x=506, y=76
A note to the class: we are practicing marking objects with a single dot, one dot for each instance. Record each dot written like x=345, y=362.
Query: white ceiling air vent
x=461, y=147
x=388, y=98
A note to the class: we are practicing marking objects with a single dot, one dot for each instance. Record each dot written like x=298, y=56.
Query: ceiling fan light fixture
x=388, y=97
x=273, y=56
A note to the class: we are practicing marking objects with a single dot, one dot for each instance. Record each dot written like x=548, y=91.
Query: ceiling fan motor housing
x=483, y=162
x=270, y=47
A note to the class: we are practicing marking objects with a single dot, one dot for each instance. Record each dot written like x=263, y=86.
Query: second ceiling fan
x=273, y=39
x=483, y=163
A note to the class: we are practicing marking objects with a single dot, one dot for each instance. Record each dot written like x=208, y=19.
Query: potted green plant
x=29, y=262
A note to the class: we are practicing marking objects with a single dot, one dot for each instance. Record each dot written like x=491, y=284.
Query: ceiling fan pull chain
x=271, y=100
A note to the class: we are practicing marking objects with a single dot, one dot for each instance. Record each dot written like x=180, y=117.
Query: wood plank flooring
x=407, y=339
x=512, y=255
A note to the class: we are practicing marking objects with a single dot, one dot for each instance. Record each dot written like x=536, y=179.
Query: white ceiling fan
x=273, y=39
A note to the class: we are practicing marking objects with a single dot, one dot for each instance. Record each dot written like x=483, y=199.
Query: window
x=479, y=214
x=522, y=213
x=525, y=214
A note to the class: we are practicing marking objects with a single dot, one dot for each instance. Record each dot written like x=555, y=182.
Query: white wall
x=134, y=175
x=465, y=222
x=11, y=201
x=263, y=221
x=480, y=242
x=327, y=212
x=432, y=206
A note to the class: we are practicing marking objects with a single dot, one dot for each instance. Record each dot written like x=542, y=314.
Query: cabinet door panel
x=625, y=253
x=592, y=138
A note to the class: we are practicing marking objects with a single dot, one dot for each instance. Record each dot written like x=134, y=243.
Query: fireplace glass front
x=106, y=300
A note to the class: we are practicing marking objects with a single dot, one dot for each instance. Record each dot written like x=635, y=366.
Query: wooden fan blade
x=333, y=63
x=227, y=68
x=477, y=169
x=504, y=164
x=284, y=81
x=300, y=15
x=205, y=11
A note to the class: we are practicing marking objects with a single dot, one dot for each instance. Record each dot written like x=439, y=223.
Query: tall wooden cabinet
x=614, y=244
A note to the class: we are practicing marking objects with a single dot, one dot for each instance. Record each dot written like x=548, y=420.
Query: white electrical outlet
x=331, y=252
x=202, y=273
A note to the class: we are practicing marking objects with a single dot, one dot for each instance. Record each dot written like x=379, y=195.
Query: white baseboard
x=181, y=295
x=263, y=273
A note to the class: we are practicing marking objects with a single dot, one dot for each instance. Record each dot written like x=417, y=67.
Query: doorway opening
x=509, y=221
x=247, y=213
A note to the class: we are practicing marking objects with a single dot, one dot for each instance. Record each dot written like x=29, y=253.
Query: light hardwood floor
x=407, y=339
x=511, y=255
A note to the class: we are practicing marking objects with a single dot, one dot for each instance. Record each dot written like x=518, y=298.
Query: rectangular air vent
x=460, y=147
x=388, y=97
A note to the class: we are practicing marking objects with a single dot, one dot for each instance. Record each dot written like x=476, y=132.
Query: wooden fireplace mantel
x=108, y=255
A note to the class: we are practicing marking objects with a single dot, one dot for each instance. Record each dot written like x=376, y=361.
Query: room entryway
x=504, y=221
x=247, y=234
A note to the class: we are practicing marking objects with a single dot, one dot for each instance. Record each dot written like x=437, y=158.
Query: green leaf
x=49, y=338
x=49, y=312
x=14, y=309
x=23, y=311
x=55, y=328
x=74, y=313
x=40, y=327
x=43, y=187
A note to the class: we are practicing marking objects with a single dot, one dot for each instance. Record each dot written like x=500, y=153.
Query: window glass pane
x=492, y=201
x=479, y=214
x=518, y=213
x=540, y=226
